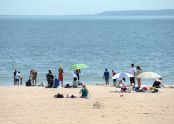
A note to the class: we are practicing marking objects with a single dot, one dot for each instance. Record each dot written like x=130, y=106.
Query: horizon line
x=80, y=14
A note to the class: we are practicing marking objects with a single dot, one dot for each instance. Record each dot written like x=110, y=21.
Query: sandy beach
x=34, y=105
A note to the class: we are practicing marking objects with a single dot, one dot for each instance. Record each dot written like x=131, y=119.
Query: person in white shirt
x=17, y=78
x=75, y=83
x=132, y=72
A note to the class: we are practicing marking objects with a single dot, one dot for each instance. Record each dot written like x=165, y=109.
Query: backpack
x=28, y=83
x=56, y=83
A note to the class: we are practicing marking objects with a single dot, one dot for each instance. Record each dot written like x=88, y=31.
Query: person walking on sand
x=138, y=71
x=114, y=80
x=60, y=70
x=132, y=72
x=106, y=76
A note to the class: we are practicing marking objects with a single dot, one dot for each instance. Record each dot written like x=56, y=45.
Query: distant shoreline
x=162, y=12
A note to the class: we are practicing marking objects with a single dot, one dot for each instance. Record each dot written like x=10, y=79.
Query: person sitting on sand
x=75, y=83
x=84, y=92
x=121, y=81
x=158, y=83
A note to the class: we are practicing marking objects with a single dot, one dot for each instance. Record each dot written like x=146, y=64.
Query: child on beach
x=84, y=92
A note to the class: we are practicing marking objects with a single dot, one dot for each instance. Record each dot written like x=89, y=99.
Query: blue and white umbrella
x=122, y=75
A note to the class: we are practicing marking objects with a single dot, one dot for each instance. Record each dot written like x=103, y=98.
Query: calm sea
x=46, y=42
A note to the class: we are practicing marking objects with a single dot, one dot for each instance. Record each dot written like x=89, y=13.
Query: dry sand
x=36, y=105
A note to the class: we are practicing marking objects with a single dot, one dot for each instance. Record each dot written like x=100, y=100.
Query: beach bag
x=137, y=89
x=59, y=96
x=28, y=83
x=67, y=86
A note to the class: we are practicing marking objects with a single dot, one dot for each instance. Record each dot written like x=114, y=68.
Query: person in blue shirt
x=106, y=76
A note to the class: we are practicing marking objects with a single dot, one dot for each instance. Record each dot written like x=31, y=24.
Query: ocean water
x=46, y=42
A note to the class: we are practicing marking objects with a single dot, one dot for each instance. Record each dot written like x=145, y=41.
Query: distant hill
x=138, y=12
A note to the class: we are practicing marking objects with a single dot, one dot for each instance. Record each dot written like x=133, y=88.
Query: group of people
x=32, y=81
x=76, y=78
x=50, y=78
x=133, y=71
x=84, y=93
x=17, y=78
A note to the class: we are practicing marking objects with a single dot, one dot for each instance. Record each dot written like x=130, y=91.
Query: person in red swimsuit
x=60, y=70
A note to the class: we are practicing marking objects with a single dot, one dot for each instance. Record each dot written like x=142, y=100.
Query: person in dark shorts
x=114, y=80
x=132, y=72
x=17, y=78
x=106, y=76
x=78, y=74
x=50, y=79
x=15, y=72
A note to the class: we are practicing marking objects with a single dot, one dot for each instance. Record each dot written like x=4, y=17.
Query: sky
x=76, y=7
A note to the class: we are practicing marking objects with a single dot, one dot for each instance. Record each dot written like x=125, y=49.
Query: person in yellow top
x=60, y=70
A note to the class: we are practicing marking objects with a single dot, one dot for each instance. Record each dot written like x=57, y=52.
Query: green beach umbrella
x=149, y=75
x=78, y=66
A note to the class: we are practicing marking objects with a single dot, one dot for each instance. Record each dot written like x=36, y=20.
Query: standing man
x=132, y=72
x=106, y=76
x=17, y=78
x=34, y=78
x=50, y=79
